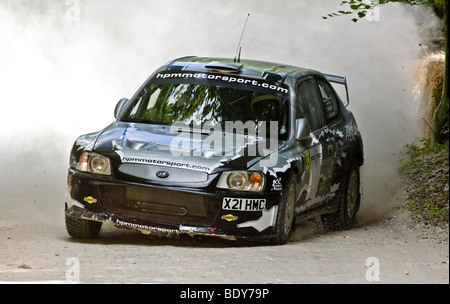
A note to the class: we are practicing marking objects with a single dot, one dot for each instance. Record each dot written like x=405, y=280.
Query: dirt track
x=405, y=255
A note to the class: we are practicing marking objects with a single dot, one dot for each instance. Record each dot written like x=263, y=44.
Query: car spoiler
x=339, y=80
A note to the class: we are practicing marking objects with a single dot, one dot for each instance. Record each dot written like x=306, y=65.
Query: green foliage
x=425, y=148
x=362, y=7
x=444, y=114
x=442, y=106
x=24, y=266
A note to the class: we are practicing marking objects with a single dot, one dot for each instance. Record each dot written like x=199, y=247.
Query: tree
x=363, y=7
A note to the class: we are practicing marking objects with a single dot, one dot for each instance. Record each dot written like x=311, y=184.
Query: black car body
x=217, y=147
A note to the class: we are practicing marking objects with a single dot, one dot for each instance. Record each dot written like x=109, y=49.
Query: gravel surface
x=405, y=251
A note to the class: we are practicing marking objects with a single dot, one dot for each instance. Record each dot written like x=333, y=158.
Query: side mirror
x=302, y=129
x=120, y=106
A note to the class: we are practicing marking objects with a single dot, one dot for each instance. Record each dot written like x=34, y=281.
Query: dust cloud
x=65, y=64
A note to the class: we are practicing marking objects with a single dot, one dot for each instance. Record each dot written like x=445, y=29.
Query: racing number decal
x=313, y=165
x=307, y=161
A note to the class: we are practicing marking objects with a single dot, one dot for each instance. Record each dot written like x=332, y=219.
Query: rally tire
x=82, y=229
x=349, y=201
x=286, y=216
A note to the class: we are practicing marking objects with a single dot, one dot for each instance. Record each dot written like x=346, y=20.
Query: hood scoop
x=143, y=145
x=138, y=145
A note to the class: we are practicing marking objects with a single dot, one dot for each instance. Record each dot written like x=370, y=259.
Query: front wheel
x=286, y=215
x=349, y=201
x=81, y=228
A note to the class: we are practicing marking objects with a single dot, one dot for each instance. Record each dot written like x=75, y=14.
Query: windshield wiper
x=192, y=130
x=138, y=120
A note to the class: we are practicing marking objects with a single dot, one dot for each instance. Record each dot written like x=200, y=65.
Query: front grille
x=157, y=204
x=166, y=201
x=160, y=208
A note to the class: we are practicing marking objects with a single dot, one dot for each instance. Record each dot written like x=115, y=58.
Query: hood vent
x=136, y=145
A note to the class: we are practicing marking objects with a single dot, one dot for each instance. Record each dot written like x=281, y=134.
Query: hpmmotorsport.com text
x=224, y=78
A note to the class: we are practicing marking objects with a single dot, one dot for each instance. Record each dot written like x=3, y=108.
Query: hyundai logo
x=162, y=174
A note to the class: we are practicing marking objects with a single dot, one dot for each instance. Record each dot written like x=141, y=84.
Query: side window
x=329, y=100
x=308, y=104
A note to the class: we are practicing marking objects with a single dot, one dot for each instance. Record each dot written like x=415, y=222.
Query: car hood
x=148, y=144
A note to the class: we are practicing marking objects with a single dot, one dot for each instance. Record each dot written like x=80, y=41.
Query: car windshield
x=198, y=105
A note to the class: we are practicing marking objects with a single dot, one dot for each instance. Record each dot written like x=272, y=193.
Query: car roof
x=254, y=68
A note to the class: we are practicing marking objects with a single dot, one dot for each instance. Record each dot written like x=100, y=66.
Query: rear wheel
x=286, y=215
x=345, y=216
x=81, y=228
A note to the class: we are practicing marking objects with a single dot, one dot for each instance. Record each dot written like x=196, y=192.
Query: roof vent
x=214, y=65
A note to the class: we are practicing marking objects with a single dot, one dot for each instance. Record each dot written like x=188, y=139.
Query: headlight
x=242, y=180
x=94, y=163
x=237, y=180
x=99, y=164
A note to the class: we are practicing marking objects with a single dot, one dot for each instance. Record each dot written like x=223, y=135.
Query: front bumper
x=168, y=210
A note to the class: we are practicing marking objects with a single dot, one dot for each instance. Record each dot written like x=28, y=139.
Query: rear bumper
x=153, y=209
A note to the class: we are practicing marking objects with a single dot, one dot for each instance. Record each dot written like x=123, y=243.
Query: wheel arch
x=358, y=153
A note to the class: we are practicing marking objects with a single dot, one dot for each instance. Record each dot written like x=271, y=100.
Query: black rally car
x=217, y=147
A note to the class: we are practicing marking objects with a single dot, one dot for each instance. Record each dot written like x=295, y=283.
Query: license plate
x=243, y=204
